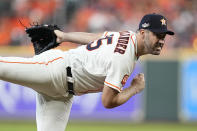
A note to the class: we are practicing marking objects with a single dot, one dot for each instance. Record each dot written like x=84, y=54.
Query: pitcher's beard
x=157, y=48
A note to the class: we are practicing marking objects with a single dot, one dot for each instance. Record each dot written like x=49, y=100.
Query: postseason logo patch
x=124, y=80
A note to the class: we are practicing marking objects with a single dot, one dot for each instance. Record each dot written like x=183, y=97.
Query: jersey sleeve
x=118, y=68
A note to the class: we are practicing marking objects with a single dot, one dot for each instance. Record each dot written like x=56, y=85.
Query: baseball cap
x=155, y=23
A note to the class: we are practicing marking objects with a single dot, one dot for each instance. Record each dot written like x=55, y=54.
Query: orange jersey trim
x=45, y=63
x=134, y=45
x=105, y=34
x=112, y=85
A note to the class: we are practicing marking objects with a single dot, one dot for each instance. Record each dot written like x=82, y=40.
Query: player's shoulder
x=109, y=33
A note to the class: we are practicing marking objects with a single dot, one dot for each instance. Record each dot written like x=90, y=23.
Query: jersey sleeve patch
x=124, y=79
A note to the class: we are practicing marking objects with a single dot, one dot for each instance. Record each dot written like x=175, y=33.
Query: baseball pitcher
x=102, y=63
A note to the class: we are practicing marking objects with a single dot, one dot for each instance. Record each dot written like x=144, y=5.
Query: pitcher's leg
x=52, y=115
x=31, y=72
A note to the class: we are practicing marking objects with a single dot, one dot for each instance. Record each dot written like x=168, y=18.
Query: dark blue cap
x=155, y=23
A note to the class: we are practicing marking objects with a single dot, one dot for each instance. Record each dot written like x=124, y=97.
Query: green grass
x=131, y=127
x=5, y=126
x=15, y=126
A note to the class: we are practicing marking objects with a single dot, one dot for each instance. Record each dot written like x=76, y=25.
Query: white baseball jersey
x=109, y=60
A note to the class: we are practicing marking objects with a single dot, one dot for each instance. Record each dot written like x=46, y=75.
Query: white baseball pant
x=46, y=74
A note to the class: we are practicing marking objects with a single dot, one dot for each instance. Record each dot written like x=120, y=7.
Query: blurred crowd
x=98, y=16
x=15, y=15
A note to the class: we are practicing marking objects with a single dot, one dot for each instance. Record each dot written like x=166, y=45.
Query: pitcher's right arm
x=112, y=98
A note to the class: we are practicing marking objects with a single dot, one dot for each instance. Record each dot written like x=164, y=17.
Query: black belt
x=70, y=84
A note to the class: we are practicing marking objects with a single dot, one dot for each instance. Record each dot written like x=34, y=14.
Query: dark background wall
x=162, y=90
